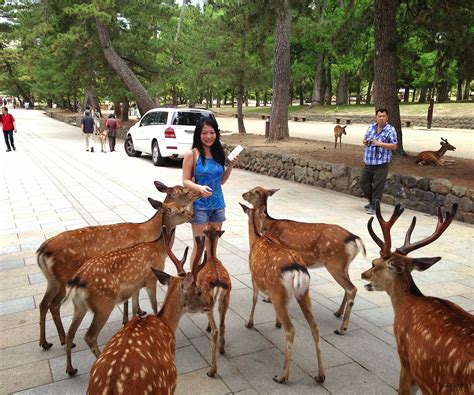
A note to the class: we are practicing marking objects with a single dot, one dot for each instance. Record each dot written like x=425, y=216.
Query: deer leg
x=281, y=309
x=98, y=322
x=51, y=291
x=78, y=316
x=125, y=312
x=407, y=384
x=305, y=305
x=223, y=306
x=54, y=308
x=136, y=310
x=212, y=323
x=254, y=302
x=350, y=292
x=150, y=286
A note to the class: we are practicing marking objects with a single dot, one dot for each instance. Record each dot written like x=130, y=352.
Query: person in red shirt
x=8, y=125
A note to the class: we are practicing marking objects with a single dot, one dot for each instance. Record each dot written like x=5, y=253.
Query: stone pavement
x=50, y=184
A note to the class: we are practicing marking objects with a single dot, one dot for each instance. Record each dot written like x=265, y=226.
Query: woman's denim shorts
x=206, y=216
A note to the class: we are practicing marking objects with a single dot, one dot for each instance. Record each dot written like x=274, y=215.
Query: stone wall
x=421, y=194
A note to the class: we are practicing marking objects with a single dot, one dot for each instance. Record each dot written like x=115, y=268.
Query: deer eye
x=373, y=265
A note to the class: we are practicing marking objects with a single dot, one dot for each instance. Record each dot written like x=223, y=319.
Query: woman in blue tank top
x=206, y=164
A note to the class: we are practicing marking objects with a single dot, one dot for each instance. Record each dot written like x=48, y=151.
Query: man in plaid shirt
x=379, y=140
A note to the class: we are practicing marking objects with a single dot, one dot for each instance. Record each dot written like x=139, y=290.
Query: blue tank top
x=209, y=173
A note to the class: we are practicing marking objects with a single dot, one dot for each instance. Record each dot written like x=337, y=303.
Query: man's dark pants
x=8, y=135
x=372, y=181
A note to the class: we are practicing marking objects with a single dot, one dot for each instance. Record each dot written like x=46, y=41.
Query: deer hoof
x=338, y=332
x=267, y=299
x=211, y=373
x=278, y=325
x=249, y=325
x=337, y=314
x=280, y=380
x=320, y=379
x=141, y=313
x=71, y=372
x=46, y=345
x=222, y=351
x=208, y=329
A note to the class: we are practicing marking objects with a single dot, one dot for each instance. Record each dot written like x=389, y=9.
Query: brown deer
x=278, y=272
x=435, y=337
x=140, y=358
x=214, y=281
x=434, y=157
x=318, y=244
x=102, y=283
x=338, y=132
x=62, y=255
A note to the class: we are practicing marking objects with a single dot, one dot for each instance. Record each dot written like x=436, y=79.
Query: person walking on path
x=8, y=126
x=204, y=171
x=112, y=125
x=87, y=124
x=379, y=140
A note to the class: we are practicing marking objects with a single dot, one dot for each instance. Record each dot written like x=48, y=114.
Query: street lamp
x=438, y=41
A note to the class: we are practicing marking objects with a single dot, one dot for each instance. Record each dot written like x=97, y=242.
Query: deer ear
x=187, y=280
x=221, y=232
x=162, y=277
x=396, y=266
x=155, y=203
x=421, y=264
x=272, y=191
x=160, y=186
x=245, y=208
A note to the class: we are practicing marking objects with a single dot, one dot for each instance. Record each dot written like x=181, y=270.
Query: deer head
x=344, y=129
x=178, y=194
x=212, y=234
x=392, y=265
x=174, y=213
x=258, y=196
x=448, y=147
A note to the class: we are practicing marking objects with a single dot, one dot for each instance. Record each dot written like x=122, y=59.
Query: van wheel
x=156, y=157
x=129, y=150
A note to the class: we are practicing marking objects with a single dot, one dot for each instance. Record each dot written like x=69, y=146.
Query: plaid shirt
x=378, y=155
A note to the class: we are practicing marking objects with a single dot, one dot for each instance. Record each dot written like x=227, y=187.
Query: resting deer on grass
x=434, y=157
x=338, y=132
x=102, y=283
x=62, y=255
x=140, y=358
x=278, y=272
x=214, y=281
x=318, y=245
x=435, y=337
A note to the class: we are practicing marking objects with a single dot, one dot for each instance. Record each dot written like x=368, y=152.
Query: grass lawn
x=452, y=109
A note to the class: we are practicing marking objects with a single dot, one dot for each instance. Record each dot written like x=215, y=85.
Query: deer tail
x=354, y=245
x=295, y=279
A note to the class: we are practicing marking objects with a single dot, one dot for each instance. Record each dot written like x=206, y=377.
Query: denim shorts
x=206, y=216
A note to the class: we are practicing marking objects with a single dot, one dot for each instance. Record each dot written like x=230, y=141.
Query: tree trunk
x=240, y=112
x=143, y=99
x=443, y=91
x=328, y=97
x=467, y=89
x=281, y=75
x=117, y=109
x=317, y=99
x=265, y=99
x=232, y=98
x=175, y=95
x=300, y=93
x=90, y=99
x=358, y=94
x=368, y=98
x=218, y=102
x=459, y=90
x=423, y=94
x=342, y=95
x=385, y=64
x=257, y=99
x=125, y=109
x=406, y=94
x=414, y=95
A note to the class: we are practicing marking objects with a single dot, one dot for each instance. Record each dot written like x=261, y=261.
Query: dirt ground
x=460, y=173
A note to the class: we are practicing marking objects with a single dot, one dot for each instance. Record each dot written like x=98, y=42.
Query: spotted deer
x=103, y=282
x=278, y=272
x=62, y=255
x=318, y=244
x=140, y=358
x=338, y=132
x=435, y=337
x=214, y=281
x=434, y=157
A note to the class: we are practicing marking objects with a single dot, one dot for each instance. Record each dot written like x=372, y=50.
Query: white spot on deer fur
x=119, y=386
x=448, y=341
x=109, y=373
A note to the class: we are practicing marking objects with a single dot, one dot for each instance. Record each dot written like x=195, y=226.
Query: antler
x=196, y=267
x=178, y=263
x=441, y=226
x=386, y=226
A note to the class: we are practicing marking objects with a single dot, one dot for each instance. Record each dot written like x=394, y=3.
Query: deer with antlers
x=278, y=272
x=62, y=255
x=214, y=281
x=338, y=132
x=435, y=337
x=140, y=358
x=434, y=157
x=102, y=283
x=318, y=244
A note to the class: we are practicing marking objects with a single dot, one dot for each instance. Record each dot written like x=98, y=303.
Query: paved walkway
x=415, y=139
x=50, y=184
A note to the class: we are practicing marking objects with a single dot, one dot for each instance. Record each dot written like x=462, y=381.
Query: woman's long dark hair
x=217, y=150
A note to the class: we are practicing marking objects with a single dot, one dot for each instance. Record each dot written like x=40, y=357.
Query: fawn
x=434, y=336
x=318, y=244
x=338, y=132
x=140, y=358
x=62, y=255
x=214, y=281
x=277, y=271
x=434, y=157
x=102, y=283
